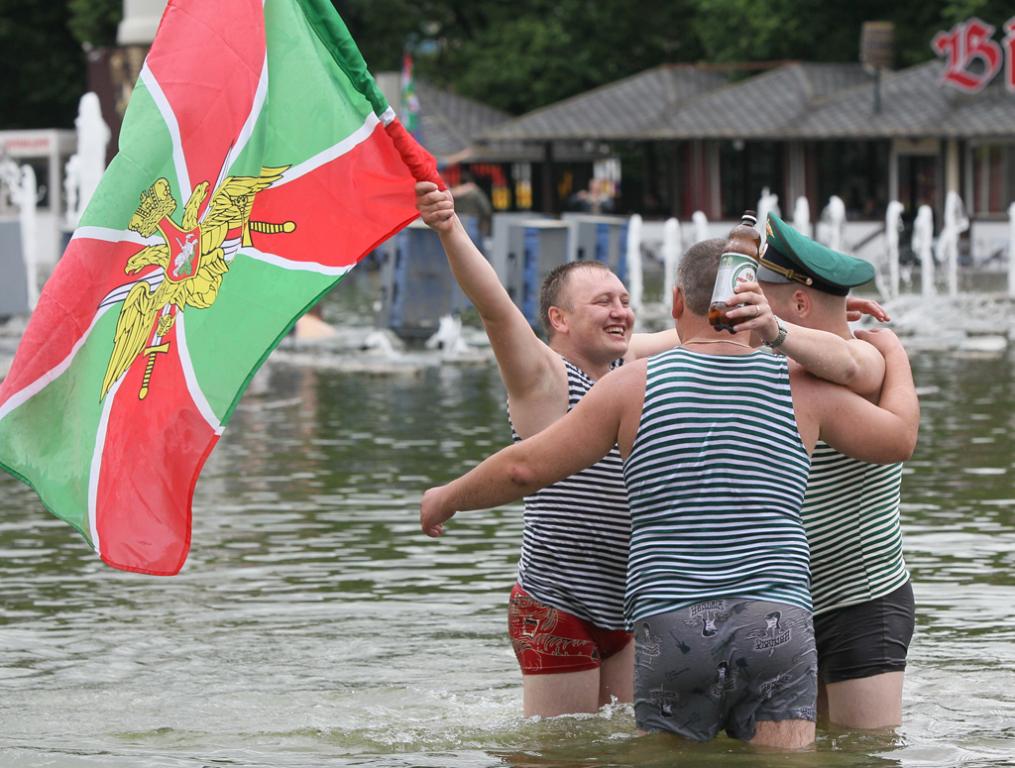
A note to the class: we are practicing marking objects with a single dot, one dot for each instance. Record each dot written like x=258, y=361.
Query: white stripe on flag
x=153, y=278
x=93, y=475
x=248, y=127
x=296, y=266
x=182, y=174
x=109, y=235
x=388, y=116
x=347, y=144
x=191, y=377
x=23, y=395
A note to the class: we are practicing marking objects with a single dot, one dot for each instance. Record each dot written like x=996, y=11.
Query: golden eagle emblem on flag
x=191, y=257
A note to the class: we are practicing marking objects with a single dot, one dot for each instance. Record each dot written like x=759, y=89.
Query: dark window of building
x=993, y=178
x=918, y=182
x=856, y=171
x=745, y=169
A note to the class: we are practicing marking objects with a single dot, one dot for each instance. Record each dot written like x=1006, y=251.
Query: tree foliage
x=42, y=70
x=521, y=55
x=94, y=22
x=512, y=54
x=524, y=54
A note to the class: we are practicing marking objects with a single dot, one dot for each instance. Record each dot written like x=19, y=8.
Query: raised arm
x=526, y=363
x=569, y=445
x=853, y=363
x=883, y=433
x=648, y=344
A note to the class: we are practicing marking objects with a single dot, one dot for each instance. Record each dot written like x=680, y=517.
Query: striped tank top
x=851, y=513
x=715, y=480
x=574, y=540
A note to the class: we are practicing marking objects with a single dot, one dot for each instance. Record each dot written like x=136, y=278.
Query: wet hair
x=553, y=287
x=696, y=274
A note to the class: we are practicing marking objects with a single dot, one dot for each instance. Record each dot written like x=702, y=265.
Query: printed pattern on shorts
x=724, y=664
x=548, y=640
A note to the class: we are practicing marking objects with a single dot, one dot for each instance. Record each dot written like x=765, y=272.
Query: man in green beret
x=863, y=600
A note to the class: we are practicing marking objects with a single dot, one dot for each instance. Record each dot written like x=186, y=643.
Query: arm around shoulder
x=883, y=433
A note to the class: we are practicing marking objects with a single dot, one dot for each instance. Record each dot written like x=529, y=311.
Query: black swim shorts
x=865, y=639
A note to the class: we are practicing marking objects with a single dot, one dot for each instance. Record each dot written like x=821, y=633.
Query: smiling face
x=592, y=316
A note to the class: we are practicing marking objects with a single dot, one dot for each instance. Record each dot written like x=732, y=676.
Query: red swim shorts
x=550, y=641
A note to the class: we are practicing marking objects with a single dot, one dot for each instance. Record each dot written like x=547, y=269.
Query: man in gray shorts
x=726, y=663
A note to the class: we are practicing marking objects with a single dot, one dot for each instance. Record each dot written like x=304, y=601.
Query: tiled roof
x=764, y=106
x=450, y=123
x=799, y=100
x=618, y=110
x=914, y=102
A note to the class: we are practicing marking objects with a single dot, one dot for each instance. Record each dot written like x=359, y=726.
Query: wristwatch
x=780, y=337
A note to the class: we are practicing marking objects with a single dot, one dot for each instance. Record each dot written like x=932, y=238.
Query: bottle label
x=733, y=268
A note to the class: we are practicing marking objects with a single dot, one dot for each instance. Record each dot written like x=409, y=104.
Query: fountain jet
x=635, y=282
x=893, y=226
x=767, y=203
x=833, y=221
x=802, y=216
x=947, y=250
x=700, y=226
x=1011, y=251
x=923, y=247
x=672, y=248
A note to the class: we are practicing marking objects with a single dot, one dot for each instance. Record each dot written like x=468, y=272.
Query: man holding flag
x=258, y=163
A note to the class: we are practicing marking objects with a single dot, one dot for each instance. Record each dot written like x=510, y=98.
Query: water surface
x=314, y=625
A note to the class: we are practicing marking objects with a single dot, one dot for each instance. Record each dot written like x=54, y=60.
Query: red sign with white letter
x=974, y=57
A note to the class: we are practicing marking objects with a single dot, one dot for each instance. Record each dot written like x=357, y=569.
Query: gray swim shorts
x=724, y=664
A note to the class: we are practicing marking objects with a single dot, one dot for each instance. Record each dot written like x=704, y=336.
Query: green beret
x=790, y=256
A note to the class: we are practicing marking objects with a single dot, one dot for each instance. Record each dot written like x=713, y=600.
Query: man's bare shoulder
x=630, y=371
x=865, y=348
x=623, y=386
x=806, y=384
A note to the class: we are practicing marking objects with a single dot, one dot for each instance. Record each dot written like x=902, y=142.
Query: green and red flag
x=258, y=163
x=409, y=106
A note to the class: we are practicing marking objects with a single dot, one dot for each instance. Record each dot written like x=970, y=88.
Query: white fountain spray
x=1011, y=251
x=767, y=203
x=923, y=247
x=635, y=280
x=947, y=248
x=700, y=226
x=672, y=248
x=22, y=191
x=447, y=338
x=87, y=166
x=833, y=222
x=802, y=216
x=28, y=200
x=893, y=226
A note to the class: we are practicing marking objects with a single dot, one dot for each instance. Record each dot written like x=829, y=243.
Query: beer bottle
x=739, y=261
